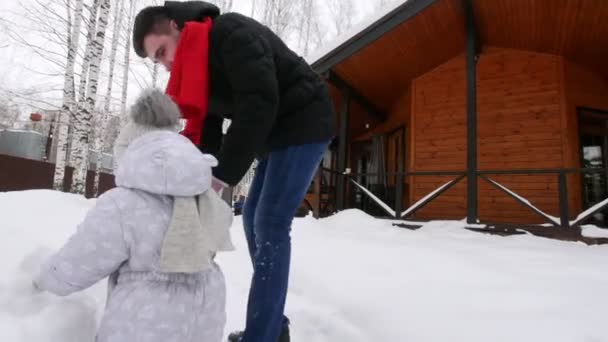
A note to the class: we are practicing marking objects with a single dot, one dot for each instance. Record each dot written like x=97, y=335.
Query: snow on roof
x=353, y=31
x=21, y=131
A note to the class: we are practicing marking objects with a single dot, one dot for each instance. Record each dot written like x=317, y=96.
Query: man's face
x=160, y=48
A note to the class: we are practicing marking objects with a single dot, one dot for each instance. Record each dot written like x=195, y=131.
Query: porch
x=442, y=116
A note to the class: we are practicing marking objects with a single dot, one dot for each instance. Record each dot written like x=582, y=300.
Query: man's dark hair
x=156, y=19
x=153, y=19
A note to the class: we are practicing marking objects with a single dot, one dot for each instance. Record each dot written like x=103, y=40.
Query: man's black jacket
x=272, y=96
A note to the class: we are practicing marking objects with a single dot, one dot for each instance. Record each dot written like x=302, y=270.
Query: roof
x=368, y=30
x=380, y=57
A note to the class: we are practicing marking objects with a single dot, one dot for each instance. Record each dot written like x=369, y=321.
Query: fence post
x=471, y=50
x=316, y=207
x=343, y=151
x=563, y=200
x=399, y=195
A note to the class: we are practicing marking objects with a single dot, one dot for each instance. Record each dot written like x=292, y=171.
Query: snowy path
x=354, y=278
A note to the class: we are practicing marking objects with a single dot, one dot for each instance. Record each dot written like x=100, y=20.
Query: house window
x=593, y=125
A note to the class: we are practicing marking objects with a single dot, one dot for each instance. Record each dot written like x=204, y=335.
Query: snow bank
x=354, y=278
x=594, y=232
x=33, y=225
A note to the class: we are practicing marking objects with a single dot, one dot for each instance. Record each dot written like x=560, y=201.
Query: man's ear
x=173, y=25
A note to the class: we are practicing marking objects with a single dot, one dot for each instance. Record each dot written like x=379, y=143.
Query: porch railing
x=563, y=221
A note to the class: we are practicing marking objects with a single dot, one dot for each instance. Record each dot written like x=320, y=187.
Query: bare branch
x=342, y=13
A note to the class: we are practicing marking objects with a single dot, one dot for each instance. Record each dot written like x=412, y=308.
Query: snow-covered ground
x=594, y=232
x=354, y=279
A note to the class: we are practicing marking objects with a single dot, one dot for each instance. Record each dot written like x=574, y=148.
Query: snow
x=15, y=130
x=33, y=224
x=354, y=278
x=594, y=231
x=353, y=31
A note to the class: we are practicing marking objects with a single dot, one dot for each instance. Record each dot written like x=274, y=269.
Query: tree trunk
x=100, y=142
x=279, y=16
x=84, y=116
x=253, y=8
x=91, y=30
x=343, y=13
x=69, y=97
x=125, y=71
x=154, y=75
x=118, y=16
x=305, y=25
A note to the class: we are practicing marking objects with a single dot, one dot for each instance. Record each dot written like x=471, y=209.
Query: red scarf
x=188, y=84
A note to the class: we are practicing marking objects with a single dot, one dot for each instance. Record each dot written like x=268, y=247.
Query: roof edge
x=371, y=33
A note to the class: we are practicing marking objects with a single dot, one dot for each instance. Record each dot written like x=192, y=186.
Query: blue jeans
x=279, y=186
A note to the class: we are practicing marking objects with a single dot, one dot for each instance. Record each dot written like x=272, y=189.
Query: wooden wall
x=438, y=137
x=519, y=127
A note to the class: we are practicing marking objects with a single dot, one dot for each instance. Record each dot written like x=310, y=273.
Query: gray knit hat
x=152, y=111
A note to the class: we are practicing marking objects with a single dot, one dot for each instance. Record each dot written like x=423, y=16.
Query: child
x=155, y=235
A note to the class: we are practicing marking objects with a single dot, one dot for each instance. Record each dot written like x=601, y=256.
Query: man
x=281, y=113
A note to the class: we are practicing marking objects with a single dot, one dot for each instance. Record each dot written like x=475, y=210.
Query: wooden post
x=316, y=207
x=342, y=151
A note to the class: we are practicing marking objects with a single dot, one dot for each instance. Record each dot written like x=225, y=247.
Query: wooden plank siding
x=519, y=93
x=438, y=137
x=519, y=127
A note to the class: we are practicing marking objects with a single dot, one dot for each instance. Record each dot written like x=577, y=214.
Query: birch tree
x=84, y=70
x=342, y=13
x=127, y=56
x=69, y=96
x=309, y=29
x=280, y=16
x=82, y=124
x=105, y=113
x=253, y=8
x=118, y=18
x=43, y=28
x=54, y=31
x=88, y=54
x=9, y=112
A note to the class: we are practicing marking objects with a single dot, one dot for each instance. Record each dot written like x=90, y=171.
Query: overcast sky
x=22, y=69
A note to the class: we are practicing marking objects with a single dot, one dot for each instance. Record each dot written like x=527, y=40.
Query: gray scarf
x=199, y=228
